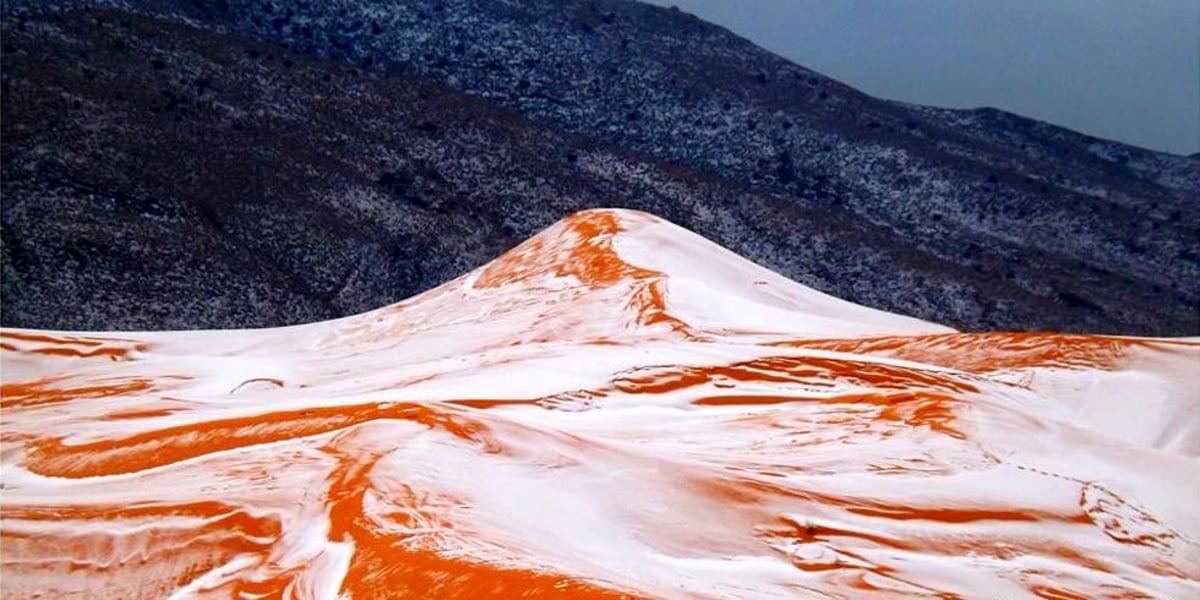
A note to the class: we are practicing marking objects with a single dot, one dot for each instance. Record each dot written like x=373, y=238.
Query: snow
x=617, y=406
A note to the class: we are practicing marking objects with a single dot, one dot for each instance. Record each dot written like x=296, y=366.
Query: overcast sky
x=1127, y=70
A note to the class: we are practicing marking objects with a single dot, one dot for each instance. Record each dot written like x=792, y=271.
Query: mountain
x=245, y=163
x=615, y=408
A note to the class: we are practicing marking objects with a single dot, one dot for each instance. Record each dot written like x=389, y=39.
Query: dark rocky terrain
x=220, y=164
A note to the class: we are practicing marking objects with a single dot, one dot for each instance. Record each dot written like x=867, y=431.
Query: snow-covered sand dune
x=615, y=408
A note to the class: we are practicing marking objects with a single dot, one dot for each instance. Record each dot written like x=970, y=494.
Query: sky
x=1127, y=70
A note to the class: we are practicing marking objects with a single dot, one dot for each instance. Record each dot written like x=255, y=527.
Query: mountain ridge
x=1083, y=244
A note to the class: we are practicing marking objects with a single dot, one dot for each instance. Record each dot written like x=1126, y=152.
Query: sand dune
x=615, y=408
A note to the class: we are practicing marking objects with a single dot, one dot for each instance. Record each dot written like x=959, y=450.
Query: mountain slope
x=600, y=413
x=1010, y=223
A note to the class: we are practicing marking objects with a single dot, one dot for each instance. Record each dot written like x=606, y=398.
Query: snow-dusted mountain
x=616, y=407
x=252, y=162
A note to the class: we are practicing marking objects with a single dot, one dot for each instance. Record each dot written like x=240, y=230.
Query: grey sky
x=1127, y=70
